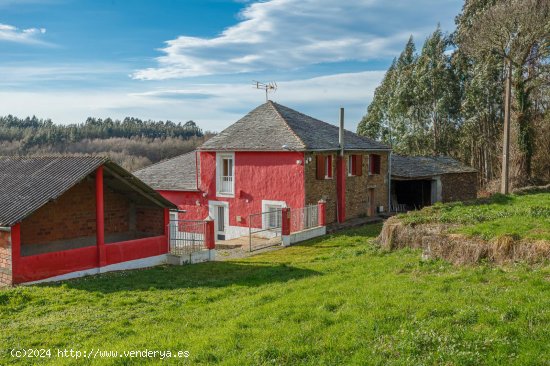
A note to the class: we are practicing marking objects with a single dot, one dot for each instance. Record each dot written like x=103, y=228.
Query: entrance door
x=370, y=202
x=219, y=222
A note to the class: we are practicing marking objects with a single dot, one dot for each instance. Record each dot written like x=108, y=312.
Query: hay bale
x=455, y=249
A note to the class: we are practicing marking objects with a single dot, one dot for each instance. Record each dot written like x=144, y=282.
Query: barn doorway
x=413, y=194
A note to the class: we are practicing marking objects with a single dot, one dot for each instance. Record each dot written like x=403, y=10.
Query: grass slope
x=522, y=216
x=333, y=301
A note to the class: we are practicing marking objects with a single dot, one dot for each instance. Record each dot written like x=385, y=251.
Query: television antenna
x=271, y=86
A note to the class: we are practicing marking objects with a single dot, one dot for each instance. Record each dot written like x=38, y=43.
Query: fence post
x=285, y=223
x=209, y=238
x=322, y=205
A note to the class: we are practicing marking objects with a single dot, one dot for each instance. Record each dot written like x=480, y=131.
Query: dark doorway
x=414, y=194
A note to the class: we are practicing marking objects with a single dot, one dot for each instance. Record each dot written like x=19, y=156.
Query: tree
x=518, y=31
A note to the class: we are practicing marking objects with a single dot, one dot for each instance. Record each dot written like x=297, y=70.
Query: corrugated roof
x=176, y=174
x=28, y=183
x=271, y=126
x=426, y=166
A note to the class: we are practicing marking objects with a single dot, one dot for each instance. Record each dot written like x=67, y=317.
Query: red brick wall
x=72, y=215
x=150, y=220
x=117, y=211
x=5, y=258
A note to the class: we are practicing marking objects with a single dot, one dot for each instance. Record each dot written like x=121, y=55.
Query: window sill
x=223, y=194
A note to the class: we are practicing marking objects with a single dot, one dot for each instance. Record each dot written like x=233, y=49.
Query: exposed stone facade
x=458, y=187
x=5, y=258
x=357, y=187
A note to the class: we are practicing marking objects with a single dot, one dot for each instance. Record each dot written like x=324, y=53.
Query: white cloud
x=9, y=33
x=288, y=34
x=212, y=106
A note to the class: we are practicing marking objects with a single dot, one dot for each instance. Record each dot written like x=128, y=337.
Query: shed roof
x=274, y=127
x=425, y=166
x=176, y=174
x=28, y=183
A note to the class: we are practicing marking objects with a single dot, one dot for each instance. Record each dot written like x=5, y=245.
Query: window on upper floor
x=355, y=165
x=324, y=167
x=225, y=173
x=374, y=164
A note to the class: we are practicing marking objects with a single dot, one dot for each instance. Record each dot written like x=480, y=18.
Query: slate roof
x=426, y=166
x=271, y=126
x=176, y=174
x=28, y=183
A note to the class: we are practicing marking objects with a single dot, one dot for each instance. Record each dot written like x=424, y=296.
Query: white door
x=220, y=216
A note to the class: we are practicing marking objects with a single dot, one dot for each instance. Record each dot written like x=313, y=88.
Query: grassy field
x=333, y=301
x=522, y=216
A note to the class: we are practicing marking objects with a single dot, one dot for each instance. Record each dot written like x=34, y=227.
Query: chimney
x=341, y=132
x=341, y=174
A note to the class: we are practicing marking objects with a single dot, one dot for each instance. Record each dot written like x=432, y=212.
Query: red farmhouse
x=63, y=217
x=275, y=157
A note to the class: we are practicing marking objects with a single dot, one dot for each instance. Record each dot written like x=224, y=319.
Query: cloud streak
x=9, y=33
x=290, y=34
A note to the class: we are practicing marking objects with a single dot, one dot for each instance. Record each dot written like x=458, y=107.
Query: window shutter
x=329, y=173
x=375, y=164
x=358, y=165
x=320, y=167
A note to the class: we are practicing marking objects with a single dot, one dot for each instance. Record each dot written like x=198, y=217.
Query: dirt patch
x=437, y=243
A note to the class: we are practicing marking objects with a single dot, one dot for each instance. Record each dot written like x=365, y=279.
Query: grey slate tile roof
x=271, y=126
x=425, y=166
x=28, y=183
x=176, y=174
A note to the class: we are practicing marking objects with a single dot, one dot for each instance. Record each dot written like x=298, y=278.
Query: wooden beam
x=133, y=187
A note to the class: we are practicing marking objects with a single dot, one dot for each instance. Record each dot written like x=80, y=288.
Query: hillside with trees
x=448, y=97
x=131, y=142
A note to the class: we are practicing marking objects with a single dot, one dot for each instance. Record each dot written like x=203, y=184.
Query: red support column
x=15, y=253
x=167, y=228
x=100, y=217
x=209, y=238
x=322, y=216
x=285, y=223
x=341, y=188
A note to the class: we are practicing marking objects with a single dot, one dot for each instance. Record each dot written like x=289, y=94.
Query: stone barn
x=63, y=217
x=419, y=181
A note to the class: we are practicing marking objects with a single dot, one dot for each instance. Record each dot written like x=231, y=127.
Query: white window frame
x=219, y=171
x=266, y=204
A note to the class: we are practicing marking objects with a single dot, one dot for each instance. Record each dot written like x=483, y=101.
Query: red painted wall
x=37, y=267
x=259, y=176
x=136, y=249
x=187, y=201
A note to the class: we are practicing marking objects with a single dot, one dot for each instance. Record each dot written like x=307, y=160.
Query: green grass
x=521, y=216
x=333, y=301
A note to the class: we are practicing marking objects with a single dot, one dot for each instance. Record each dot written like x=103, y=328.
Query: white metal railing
x=186, y=236
x=226, y=184
x=304, y=218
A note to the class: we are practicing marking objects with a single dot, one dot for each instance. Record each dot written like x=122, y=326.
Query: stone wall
x=356, y=186
x=5, y=258
x=459, y=187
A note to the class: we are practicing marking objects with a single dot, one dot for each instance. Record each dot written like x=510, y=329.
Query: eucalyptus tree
x=518, y=32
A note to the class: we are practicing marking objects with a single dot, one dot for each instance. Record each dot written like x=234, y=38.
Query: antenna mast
x=271, y=86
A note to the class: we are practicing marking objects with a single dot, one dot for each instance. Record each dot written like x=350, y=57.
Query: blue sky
x=196, y=59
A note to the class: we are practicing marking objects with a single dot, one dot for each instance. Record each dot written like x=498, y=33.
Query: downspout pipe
x=341, y=174
x=389, y=181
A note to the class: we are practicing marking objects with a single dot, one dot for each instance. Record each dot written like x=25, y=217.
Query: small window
x=324, y=167
x=351, y=165
x=374, y=164
x=328, y=167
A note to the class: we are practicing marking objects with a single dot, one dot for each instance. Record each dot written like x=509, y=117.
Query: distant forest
x=131, y=142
